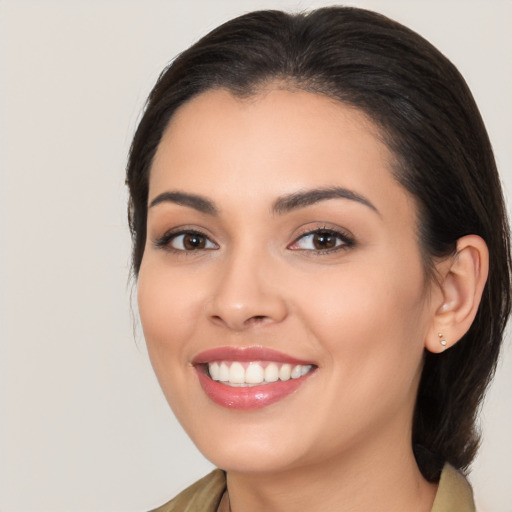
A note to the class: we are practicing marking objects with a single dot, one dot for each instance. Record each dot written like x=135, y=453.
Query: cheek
x=168, y=309
x=368, y=317
x=370, y=326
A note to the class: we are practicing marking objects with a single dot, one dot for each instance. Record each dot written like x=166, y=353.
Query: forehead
x=275, y=142
x=270, y=117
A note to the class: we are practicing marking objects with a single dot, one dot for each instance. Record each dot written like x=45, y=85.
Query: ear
x=455, y=302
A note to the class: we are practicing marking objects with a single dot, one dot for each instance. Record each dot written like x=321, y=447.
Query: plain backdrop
x=83, y=424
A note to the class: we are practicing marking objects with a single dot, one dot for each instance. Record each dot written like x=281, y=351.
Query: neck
x=363, y=479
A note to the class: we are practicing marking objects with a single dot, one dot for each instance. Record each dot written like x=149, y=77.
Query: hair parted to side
x=430, y=122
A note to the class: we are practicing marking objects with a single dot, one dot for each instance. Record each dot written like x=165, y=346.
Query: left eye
x=322, y=240
x=191, y=242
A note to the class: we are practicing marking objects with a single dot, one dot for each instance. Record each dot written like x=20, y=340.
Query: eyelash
x=346, y=241
x=166, y=240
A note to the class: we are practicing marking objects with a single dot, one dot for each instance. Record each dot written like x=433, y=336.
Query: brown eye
x=324, y=240
x=193, y=241
x=190, y=242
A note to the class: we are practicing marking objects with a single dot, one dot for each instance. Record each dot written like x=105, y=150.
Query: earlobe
x=462, y=279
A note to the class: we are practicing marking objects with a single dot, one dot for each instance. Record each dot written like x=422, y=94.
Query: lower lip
x=254, y=397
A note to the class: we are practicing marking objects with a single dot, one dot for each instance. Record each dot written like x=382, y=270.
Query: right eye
x=186, y=241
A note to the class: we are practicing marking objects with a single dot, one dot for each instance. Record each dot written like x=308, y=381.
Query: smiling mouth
x=249, y=378
x=255, y=373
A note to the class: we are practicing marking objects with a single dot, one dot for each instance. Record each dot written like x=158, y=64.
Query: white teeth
x=296, y=372
x=285, y=372
x=253, y=373
x=224, y=372
x=305, y=369
x=236, y=374
x=271, y=373
x=214, y=371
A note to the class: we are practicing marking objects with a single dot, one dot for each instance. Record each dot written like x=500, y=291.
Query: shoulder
x=202, y=496
x=454, y=493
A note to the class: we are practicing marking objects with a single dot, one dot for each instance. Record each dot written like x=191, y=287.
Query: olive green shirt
x=453, y=495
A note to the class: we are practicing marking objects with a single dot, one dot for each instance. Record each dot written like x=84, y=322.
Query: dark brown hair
x=429, y=120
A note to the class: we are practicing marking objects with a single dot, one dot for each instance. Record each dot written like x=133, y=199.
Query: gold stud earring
x=442, y=341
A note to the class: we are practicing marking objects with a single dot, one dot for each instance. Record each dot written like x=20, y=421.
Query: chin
x=245, y=447
x=251, y=459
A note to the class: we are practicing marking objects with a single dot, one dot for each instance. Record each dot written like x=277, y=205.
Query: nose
x=247, y=293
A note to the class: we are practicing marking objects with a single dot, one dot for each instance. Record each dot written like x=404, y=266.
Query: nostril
x=239, y=323
x=256, y=319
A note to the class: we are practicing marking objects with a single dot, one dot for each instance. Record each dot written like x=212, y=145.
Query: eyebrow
x=301, y=199
x=282, y=205
x=199, y=203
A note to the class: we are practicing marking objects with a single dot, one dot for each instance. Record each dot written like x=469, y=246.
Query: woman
x=322, y=259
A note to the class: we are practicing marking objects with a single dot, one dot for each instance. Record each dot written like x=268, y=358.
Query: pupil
x=192, y=242
x=324, y=241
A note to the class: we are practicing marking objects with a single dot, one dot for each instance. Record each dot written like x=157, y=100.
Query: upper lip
x=246, y=354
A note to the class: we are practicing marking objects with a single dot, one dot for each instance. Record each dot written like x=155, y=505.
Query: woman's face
x=282, y=292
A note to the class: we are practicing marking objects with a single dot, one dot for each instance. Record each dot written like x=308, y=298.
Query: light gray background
x=83, y=424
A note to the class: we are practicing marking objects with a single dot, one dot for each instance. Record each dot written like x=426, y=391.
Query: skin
x=361, y=313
